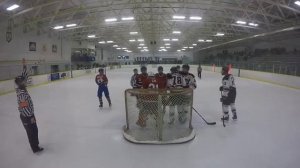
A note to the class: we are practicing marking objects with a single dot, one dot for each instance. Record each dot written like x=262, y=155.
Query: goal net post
x=157, y=116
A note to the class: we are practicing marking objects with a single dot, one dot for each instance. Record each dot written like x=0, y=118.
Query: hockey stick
x=223, y=115
x=208, y=123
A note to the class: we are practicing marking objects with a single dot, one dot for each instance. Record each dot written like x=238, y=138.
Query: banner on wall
x=55, y=76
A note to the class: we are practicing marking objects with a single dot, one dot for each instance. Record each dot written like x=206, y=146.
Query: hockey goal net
x=158, y=116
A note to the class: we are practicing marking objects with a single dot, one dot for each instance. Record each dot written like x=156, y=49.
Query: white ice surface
x=76, y=134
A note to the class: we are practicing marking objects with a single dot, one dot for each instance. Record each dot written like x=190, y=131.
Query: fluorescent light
x=241, y=22
x=167, y=44
x=159, y=50
x=140, y=39
x=115, y=45
x=195, y=18
x=162, y=47
x=129, y=51
x=111, y=20
x=166, y=39
x=179, y=50
x=101, y=42
x=71, y=25
x=141, y=44
x=132, y=33
x=127, y=18
x=132, y=40
x=14, y=6
x=178, y=17
x=194, y=44
x=174, y=39
x=191, y=47
x=208, y=41
x=91, y=36
x=58, y=27
x=124, y=48
x=110, y=42
x=185, y=47
x=254, y=24
x=220, y=34
x=118, y=48
x=297, y=3
x=201, y=40
x=139, y=47
x=176, y=32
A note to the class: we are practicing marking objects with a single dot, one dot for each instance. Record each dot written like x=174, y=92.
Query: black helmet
x=225, y=69
x=160, y=68
x=173, y=69
x=186, y=66
x=143, y=68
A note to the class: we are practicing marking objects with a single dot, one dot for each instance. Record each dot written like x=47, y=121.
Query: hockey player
x=199, y=71
x=161, y=78
x=102, y=81
x=189, y=78
x=141, y=83
x=133, y=79
x=141, y=77
x=26, y=110
x=190, y=82
x=228, y=90
x=175, y=80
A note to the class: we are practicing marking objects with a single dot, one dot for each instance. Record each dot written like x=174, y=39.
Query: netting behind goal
x=158, y=116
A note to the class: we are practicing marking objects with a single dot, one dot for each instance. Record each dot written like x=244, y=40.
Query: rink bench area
x=8, y=86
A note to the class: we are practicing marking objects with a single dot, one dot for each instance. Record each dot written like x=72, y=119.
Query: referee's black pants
x=30, y=126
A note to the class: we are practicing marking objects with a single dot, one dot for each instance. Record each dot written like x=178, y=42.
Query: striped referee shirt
x=24, y=100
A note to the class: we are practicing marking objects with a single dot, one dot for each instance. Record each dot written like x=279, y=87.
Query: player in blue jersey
x=102, y=81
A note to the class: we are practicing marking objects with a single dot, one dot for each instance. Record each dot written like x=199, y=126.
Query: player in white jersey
x=189, y=82
x=175, y=80
x=228, y=90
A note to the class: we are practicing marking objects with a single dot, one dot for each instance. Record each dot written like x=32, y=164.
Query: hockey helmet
x=186, y=67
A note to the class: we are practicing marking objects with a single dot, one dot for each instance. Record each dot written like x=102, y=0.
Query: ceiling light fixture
x=297, y=3
x=174, y=39
x=220, y=34
x=254, y=24
x=127, y=18
x=133, y=33
x=71, y=25
x=91, y=36
x=241, y=22
x=178, y=17
x=111, y=20
x=101, y=42
x=13, y=7
x=195, y=18
x=176, y=32
x=58, y=27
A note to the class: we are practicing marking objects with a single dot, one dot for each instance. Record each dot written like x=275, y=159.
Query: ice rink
x=76, y=134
